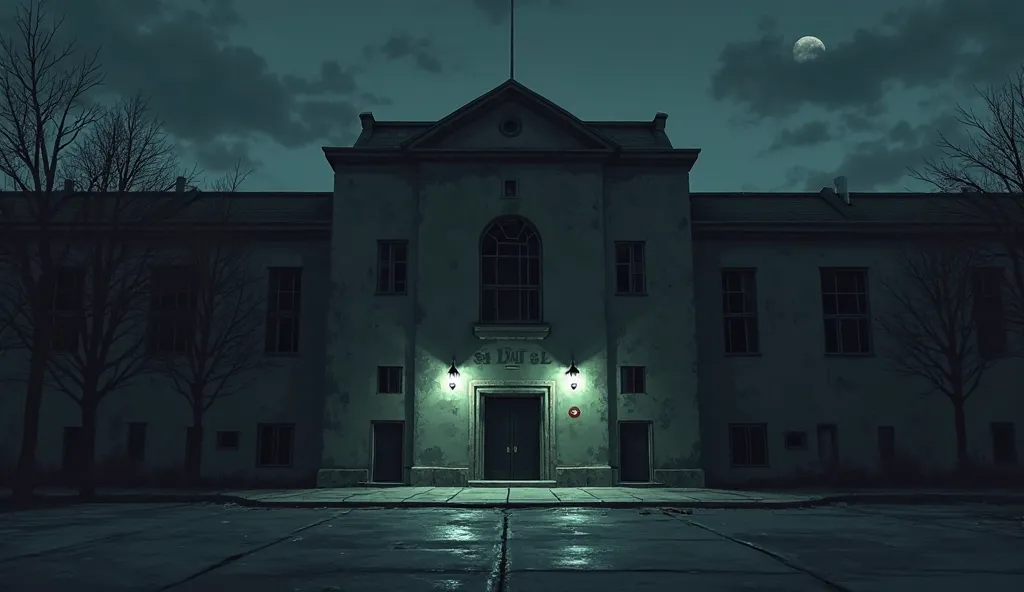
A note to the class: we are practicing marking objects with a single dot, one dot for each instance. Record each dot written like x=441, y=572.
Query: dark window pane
x=829, y=304
x=508, y=305
x=849, y=336
x=622, y=279
x=533, y=278
x=488, y=271
x=489, y=246
x=638, y=283
x=508, y=272
x=400, y=252
x=534, y=296
x=753, y=344
x=638, y=255
x=758, y=446
x=400, y=272
x=848, y=304
x=488, y=305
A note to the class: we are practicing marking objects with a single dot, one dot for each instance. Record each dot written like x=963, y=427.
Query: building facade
x=512, y=294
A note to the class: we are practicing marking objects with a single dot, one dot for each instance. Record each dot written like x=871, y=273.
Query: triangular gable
x=510, y=91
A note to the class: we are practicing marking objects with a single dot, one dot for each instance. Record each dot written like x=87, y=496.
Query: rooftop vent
x=841, y=189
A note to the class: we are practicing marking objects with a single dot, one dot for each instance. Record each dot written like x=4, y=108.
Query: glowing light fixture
x=573, y=373
x=453, y=375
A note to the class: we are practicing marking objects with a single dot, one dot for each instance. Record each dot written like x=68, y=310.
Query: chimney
x=69, y=186
x=659, y=121
x=367, y=120
x=841, y=189
x=179, y=185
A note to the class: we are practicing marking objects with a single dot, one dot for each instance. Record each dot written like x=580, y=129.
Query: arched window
x=510, y=270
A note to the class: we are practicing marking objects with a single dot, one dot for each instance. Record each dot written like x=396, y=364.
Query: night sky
x=271, y=81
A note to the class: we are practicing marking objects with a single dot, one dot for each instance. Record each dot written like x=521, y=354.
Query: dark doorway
x=512, y=438
x=634, y=451
x=69, y=461
x=828, y=445
x=388, y=439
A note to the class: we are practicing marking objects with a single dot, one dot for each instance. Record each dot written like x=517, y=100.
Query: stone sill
x=512, y=332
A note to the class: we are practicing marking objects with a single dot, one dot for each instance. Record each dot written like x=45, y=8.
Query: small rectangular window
x=511, y=188
x=1004, y=443
x=633, y=379
x=227, y=440
x=796, y=440
x=989, y=321
x=886, y=444
x=748, y=444
x=844, y=300
x=275, y=445
x=66, y=308
x=392, y=267
x=389, y=380
x=172, y=310
x=284, y=307
x=630, y=269
x=136, y=442
x=739, y=311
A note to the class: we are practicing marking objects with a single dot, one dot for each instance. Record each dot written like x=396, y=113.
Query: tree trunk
x=87, y=449
x=24, y=477
x=963, y=460
x=194, y=448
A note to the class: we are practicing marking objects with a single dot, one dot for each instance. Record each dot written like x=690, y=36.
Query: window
x=748, y=444
x=389, y=380
x=630, y=276
x=633, y=379
x=739, y=311
x=275, y=443
x=66, y=308
x=227, y=440
x=511, y=188
x=136, y=442
x=987, y=285
x=886, y=443
x=510, y=270
x=844, y=300
x=1004, y=443
x=284, y=305
x=172, y=310
x=392, y=267
x=796, y=440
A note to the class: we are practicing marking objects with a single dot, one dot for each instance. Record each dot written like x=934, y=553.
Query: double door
x=512, y=438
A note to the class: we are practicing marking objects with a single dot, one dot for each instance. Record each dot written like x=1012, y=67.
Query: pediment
x=510, y=117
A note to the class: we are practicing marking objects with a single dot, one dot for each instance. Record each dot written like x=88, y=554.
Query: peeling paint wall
x=793, y=385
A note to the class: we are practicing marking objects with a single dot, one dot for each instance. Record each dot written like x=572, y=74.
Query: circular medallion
x=574, y=412
x=511, y=127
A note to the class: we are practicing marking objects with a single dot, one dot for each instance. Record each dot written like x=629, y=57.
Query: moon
x=808, y=48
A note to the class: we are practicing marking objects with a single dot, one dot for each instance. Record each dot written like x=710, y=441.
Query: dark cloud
x=224, y=155
x=882, y=162
x=211, y=93
x=403, y=45
x=811, y=133
x=926, y=46
x=497, y=11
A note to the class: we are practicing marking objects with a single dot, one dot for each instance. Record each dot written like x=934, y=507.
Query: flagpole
x=512, y=40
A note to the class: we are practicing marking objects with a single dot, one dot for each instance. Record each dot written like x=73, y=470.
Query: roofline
x=337, y=156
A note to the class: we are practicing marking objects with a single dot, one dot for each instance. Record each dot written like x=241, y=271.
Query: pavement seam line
x=103, y=539
x=768, y=553
x=502, y=583
x=235, y=557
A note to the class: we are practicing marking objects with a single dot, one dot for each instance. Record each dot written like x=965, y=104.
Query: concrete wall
x=286, y=391
x=793, y=385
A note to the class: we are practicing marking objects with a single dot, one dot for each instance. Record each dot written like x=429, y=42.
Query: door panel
x=634, y=452
x=828, y=445
x=497, y=439
x=387, y=452
x=526, y=439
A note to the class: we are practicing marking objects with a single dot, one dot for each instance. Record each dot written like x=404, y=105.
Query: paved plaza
x=221, y=547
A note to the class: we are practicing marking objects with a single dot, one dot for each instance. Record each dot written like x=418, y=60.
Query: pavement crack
x=500, y=583
x=766, y=552
x=235, y=557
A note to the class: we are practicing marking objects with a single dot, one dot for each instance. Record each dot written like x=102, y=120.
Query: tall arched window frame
x=510, y=272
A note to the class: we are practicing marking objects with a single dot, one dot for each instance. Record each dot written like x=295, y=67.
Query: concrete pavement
x=524, y=497
x=216, y=547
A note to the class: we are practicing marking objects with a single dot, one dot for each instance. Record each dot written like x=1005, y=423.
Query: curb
x=810, y=502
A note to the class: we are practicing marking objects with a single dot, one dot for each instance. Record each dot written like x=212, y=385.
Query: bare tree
x=932, y=327
x=43, y=111
x=222, y=356
x=984, y=165
x=128, y=167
